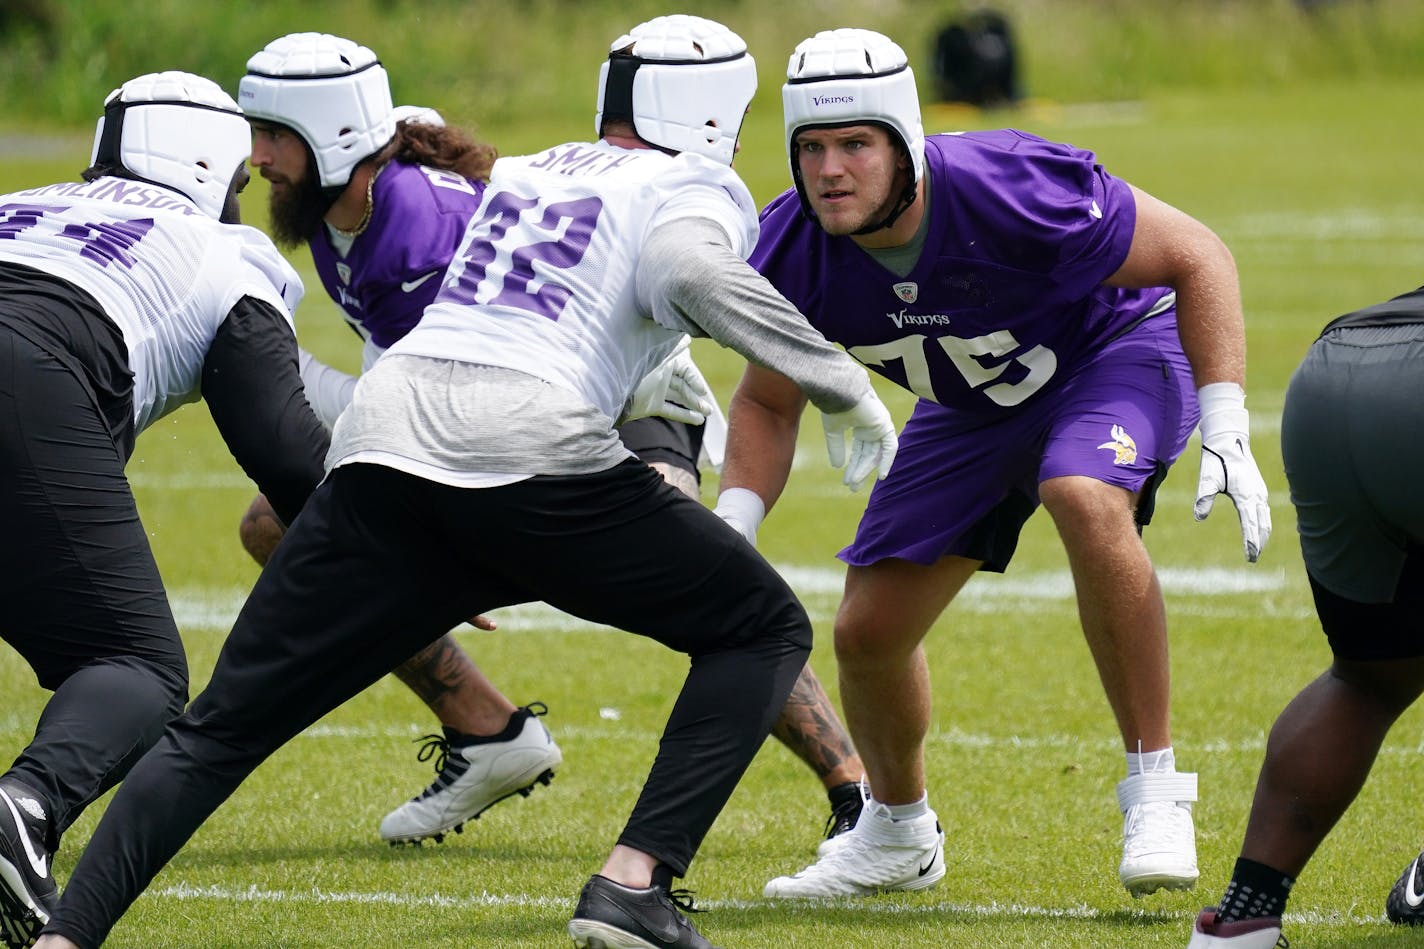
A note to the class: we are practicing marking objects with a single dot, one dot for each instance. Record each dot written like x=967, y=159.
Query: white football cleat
x=473, y=774
x=1159, y=841
x=876, y=855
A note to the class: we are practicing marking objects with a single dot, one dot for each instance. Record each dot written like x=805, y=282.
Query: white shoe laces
x=1158, y=826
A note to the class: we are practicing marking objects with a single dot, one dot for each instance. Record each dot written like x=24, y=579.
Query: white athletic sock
x=1161, y=761
x=909, y=811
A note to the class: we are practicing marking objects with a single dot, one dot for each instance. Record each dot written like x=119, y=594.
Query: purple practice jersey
x=1007, y=297
x=393, y=269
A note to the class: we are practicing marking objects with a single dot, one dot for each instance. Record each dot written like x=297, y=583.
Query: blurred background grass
x=514, y=68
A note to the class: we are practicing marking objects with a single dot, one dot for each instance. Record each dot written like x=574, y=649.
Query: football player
x=122, y=298
x=1360, y=516
x=1061, y=329
x=381, y=197
x=351, y=180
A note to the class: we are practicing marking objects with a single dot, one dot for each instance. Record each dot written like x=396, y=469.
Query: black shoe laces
x=437, y=747
x=842, y=818
x=682, y=899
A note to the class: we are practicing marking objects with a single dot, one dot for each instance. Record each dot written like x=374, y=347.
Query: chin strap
x=907, y=198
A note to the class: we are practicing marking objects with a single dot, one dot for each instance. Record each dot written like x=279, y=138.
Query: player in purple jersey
x=1060, y=328
x=352, y=204
x=327, y=139
x=121, y=299
x=1360, y=517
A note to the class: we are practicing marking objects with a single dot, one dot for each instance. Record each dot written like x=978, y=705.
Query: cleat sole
x=545, y=778
x=1146, y=887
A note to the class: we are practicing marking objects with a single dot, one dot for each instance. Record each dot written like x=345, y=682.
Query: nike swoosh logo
x=664, y=929
x=37, y=862
x=1412, y=896
x=926, y=868
x=409, y=285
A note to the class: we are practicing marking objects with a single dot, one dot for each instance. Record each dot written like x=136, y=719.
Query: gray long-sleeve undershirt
x=691, y=281
x=451, y=422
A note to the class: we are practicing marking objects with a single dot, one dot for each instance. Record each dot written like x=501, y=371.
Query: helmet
x=683, y=81
x=176, y=130
x=846, y=77
x=334, y=93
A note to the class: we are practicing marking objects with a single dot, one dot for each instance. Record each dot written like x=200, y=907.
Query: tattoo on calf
x=808, y=725
x=435, y=672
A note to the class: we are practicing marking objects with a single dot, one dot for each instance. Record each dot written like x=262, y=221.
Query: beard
x=296, y=211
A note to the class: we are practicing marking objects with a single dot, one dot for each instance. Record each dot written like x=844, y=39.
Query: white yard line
x=949, y=738
x=184, y=892
x=200, y=608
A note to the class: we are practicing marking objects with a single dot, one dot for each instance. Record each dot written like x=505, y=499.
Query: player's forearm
x=1211, y=324
x=761, y=444
x=253, y=390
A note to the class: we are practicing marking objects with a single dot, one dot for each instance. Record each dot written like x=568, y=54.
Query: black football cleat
x=28, y=894
x=610, y=915
x=1405, y=903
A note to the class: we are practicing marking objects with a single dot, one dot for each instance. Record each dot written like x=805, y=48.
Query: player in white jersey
x=353, y=208
x=123, y=297
x=584, y=267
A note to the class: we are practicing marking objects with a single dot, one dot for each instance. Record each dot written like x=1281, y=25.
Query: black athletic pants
x=80, y=595
x=658, y=439
x=376, y=551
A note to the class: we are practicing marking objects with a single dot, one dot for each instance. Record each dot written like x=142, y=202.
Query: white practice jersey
x=543, y=282
x=163, y=271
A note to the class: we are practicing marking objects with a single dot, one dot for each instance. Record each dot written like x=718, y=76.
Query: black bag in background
x=975, y=61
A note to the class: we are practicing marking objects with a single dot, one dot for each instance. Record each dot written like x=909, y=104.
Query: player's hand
x=743, y=509
x=483, y=622
x=1227, y=466
x=873, y=441
x=673, y=389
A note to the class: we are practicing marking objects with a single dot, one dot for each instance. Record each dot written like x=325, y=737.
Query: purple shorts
x=964, y=484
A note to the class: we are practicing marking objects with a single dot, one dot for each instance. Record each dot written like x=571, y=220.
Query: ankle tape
x=1176, y=786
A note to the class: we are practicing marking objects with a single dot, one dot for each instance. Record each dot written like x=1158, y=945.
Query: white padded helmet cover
x=333, y=92
x=692, y=82
x=840, y=77
x=177, y=130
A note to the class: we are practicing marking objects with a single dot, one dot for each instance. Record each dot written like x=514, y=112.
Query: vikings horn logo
x=1124, y=448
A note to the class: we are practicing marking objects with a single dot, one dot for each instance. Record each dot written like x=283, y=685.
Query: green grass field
x=1315, y=188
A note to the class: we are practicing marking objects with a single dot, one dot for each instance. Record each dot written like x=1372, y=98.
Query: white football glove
x=1227, y=466
x=743, y=509
x=674, y=389
x=873, y=442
